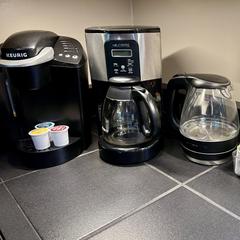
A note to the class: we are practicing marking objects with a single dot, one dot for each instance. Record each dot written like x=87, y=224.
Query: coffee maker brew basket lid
x=123, y=29
x=29, y=47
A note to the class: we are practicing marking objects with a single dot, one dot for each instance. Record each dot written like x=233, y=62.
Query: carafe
x=130, y=124
x=130, y=117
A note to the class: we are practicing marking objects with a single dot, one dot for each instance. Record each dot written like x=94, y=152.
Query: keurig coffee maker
x=46, y=81
x=125, y=67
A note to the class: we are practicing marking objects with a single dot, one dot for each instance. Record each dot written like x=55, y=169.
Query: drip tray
x=52, y=156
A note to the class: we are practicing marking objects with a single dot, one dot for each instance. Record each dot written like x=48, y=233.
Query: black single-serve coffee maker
x=125, y=67
x=46, y=80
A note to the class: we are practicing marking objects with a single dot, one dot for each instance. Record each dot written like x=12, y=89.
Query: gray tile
x=71, y=200
x=11, y=167
x=172, y=161
x=181, y=215
x=94, y=144
x=12, y=223
x=222, y=186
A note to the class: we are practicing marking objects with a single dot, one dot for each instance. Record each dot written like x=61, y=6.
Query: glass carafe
x=130, y=116
x=209, y=119
x=209, y=115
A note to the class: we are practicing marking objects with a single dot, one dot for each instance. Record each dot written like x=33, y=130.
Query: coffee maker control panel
x=66, y=50
x=122, y=59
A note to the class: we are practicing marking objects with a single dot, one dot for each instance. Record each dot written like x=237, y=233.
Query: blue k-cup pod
x=48, y=125
x=45, y=125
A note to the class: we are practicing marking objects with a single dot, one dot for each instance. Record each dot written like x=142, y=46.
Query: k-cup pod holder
x=40, y=152
x=49, y=157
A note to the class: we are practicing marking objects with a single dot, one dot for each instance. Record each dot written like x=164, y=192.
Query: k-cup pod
x=46, y=125
x=40, y=138
x=60, y=135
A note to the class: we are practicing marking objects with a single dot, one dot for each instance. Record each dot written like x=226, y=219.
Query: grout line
x=160, y=171
x=86, y=153
x=199, y=175
x=23, y=213
x=126, y=215
x=212, y=202
x=19, y=176
x=175, y=180
x=31, y=172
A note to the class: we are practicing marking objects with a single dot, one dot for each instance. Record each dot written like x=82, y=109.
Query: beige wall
x=197, y=35
x=65, y=17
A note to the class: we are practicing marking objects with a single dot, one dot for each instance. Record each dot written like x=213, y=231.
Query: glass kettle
x=209, y=123
x=130, y=116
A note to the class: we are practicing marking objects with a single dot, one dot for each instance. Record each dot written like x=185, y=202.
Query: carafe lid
x=119, y=93
x=208, y=81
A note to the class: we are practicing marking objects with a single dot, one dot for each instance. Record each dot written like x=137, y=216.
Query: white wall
x=197, y=35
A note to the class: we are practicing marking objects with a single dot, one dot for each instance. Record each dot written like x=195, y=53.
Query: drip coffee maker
x=125, y=67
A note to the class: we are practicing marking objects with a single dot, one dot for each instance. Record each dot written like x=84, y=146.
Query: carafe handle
x=142, y=94
x=177, y=83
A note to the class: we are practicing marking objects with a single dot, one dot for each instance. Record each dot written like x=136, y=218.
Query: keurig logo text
x=17, y=55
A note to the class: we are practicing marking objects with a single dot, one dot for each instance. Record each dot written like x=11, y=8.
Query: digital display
x=121, y=53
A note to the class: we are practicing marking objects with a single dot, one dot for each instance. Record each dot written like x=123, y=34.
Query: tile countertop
x=86, y=198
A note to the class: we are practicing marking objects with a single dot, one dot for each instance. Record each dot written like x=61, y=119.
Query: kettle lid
x=208, y=81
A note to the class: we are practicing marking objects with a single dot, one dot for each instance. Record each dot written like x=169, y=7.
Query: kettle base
x=132, y=155
x=209, y=163
x=208, y=153
x=209, y=159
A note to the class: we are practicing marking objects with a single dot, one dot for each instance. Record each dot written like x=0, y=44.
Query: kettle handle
x=142, y=93
x=178, y=82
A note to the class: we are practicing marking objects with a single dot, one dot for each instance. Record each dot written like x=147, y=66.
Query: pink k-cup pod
x=40, y=138
x=59, y=135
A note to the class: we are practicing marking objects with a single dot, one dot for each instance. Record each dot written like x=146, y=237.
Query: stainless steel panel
x=96, y=56
x=150, y=56
x=149, y=53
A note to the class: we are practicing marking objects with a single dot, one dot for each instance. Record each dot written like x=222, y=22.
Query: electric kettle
x=209, y=124
x=130, y=120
